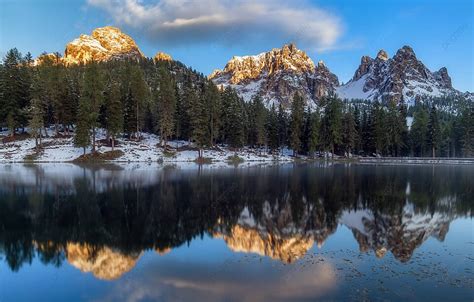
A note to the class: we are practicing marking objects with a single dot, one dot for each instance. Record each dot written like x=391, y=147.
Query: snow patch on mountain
x=402, y=78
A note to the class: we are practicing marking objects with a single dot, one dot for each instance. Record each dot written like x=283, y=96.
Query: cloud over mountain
x=226, y=21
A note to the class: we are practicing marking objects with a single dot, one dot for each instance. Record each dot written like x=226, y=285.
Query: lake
x=287, y=232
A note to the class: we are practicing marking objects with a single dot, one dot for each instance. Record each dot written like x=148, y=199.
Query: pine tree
x=82, y=135
x=296, y=123
x=378, y=128
x=358, y=146
x=258, y=117
x=272, y=129
x=313, y=139
x=331, y=127
x=138, y=94
x=393, y=129
x=434, y=131
x=214, y=103
x=233, y=117
x=199, y=122
x=467, y=130
x=166, y=105
x=114, y=114
x=349, y=132
x=14, y=91
x=183, y=108
x=403, y=130
x=36, y=114
x=36, y=120
x=92, y=96
x=418, y=133
x=282, y=127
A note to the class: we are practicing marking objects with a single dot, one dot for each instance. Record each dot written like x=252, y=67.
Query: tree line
x=175, y=102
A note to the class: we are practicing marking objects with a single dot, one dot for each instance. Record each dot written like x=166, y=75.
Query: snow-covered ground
x=145, y=150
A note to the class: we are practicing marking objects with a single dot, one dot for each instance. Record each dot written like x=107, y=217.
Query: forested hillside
x=128, y=98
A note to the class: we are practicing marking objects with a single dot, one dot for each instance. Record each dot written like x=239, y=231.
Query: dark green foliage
x=272, y=129
x=467, y=128
x=433, y=131
x=257, y=120
x=418, y=133
x=82, y=136
x=233, y=119
x=199, y=120
x=331, y=126
x=15, y=84
x=296, y=123
x=282, y=127
x=313, y=133
x=349, y=131
x=114, y=112
x=176, y=102
x=164, y=98
x=92, y=98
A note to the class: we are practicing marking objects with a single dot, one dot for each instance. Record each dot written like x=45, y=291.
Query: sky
x=205, y=34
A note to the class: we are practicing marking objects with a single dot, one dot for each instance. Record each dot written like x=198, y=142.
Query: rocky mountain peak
x=382, y=55
x=365, y=63
x=443, y=78
x=105, y=43
x=406, y=55
x=276, y=75
x=287, y=58
x=400, y=78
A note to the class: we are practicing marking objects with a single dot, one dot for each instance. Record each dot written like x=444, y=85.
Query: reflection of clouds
x=235, y=280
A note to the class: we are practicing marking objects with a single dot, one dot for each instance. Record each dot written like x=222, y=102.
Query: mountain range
x=278, y=74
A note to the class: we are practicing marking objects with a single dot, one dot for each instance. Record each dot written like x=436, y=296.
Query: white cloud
x=226, y=21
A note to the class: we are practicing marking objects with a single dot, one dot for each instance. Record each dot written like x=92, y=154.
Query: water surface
x=293, y=232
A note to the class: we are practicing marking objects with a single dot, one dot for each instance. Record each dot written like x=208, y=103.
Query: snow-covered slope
x=402, y=78
x=276, y=76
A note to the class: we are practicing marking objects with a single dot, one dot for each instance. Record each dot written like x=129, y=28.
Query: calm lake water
x=291, y=232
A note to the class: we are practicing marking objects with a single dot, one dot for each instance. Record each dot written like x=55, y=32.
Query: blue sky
x=205, y=34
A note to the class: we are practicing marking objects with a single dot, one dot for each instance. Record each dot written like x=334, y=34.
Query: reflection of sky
x=207, y=270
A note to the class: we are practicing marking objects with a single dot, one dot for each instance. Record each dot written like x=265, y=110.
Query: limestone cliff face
x=276, y=76
x=105, y=43
x=104, y=263
x=54, y=58
x=402, y=78
x=161, y=56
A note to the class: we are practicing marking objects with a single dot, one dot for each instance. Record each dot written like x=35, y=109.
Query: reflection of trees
x=284, y=202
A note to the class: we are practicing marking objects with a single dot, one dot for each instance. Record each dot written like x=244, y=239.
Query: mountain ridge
x=278, y=74
x=402, y=78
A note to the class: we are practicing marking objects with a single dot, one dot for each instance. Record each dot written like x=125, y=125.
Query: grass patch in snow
x=235, y=159
x=169, y=154
x=32, y=157
x=203, y=160
x=99, y=157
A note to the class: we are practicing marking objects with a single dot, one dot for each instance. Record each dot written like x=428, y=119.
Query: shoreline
x=283, y=160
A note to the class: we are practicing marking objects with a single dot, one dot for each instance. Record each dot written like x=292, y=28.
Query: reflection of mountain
x=287, y=250
x=104, y=263
x=399, y=233
x=277, y=234
x=280, y=212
